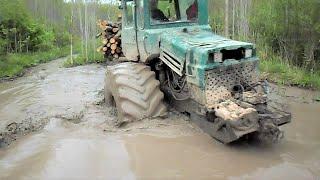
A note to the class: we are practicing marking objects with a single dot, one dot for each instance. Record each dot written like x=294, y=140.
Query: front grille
x=170, y=60
x=221, y=81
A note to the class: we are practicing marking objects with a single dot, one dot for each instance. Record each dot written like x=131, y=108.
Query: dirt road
x=71, y=135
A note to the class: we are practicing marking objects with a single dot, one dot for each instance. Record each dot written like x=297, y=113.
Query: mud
x=71, y=134
x=47, y=91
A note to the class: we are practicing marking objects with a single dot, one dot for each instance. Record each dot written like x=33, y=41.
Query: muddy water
x=46, y=91
x=79, y=141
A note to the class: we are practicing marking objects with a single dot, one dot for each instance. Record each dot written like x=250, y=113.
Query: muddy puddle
x=74, y=136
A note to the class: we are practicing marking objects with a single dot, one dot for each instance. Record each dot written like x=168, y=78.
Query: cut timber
x=112, y=40
x=118, y=35
x=113, y=47
x=118, y=50
x=105, y=49
x=108, y=28
x=116, y=56
x=115, y=30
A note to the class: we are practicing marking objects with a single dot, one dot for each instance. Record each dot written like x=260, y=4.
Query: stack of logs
x=111, y=39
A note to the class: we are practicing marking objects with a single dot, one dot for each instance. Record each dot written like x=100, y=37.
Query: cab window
x=166, y=11
x=129, y=9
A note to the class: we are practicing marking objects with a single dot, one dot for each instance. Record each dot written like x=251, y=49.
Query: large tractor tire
x=135, y=92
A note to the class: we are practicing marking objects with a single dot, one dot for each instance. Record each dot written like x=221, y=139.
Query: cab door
x=129, y=31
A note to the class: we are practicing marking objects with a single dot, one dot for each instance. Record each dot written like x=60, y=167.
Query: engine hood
x=191, y=48
x=199, y=41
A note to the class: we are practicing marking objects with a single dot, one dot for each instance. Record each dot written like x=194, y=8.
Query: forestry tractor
x=173, y=56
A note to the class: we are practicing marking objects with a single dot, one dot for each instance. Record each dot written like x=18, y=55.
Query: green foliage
x=216, y=14
x=291, y=31
x=21, y=32
x=286, y=32
x=27, y=40
x=82, y=60
x=2, y=46
x=12, y=65
x=283, y=73
x=61, y=38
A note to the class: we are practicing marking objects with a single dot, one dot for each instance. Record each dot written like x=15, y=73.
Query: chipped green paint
x=189, y=42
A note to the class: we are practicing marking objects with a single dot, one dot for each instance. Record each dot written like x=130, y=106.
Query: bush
x=13, y=64
x=61, y=38
x=81, y=59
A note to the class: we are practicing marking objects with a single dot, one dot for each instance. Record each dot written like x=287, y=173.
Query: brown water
x=79, y=141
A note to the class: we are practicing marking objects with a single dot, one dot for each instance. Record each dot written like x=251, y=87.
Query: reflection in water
x=63, y=151
x=67, y=150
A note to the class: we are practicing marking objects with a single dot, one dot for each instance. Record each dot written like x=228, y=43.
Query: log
x=104, y=23
x=116, y=56
x=115, y=30
x=112, y=40
x=118, y=35
x=118, y=50
x=113, y=47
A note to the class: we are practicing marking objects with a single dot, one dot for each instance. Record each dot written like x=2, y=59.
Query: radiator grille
x=220, y=82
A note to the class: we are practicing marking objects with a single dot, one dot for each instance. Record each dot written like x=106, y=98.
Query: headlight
x=248, y=53
x=218, y=57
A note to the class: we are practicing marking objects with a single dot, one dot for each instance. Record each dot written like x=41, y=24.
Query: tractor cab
x=145, y=20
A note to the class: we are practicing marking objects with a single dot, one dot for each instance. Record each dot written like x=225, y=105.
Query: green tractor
x=172, y=55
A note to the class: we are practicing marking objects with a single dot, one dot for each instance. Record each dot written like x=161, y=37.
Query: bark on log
x=111, y=38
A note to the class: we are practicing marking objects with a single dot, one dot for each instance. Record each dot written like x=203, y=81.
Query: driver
x=156, y=13
x=192, y=11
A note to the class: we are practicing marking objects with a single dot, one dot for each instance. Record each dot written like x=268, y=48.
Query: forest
x=43, y=30
x=286, y=33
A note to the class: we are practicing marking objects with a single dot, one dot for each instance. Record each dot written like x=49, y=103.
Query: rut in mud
x=74, y=136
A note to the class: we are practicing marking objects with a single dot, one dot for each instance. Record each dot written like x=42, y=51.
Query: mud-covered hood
x=199, y=41
x=192, y=51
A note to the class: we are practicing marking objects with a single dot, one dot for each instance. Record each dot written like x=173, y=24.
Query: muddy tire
x=133, y=88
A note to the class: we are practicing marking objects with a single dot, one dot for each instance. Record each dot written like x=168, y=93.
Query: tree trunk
x=226, y=19
x=71, y=32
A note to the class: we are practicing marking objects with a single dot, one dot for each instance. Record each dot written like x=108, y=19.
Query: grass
x=282, y=73
x=13, y=65
x=79, y=60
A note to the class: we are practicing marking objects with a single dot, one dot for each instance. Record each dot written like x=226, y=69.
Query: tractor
x=172, y=57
